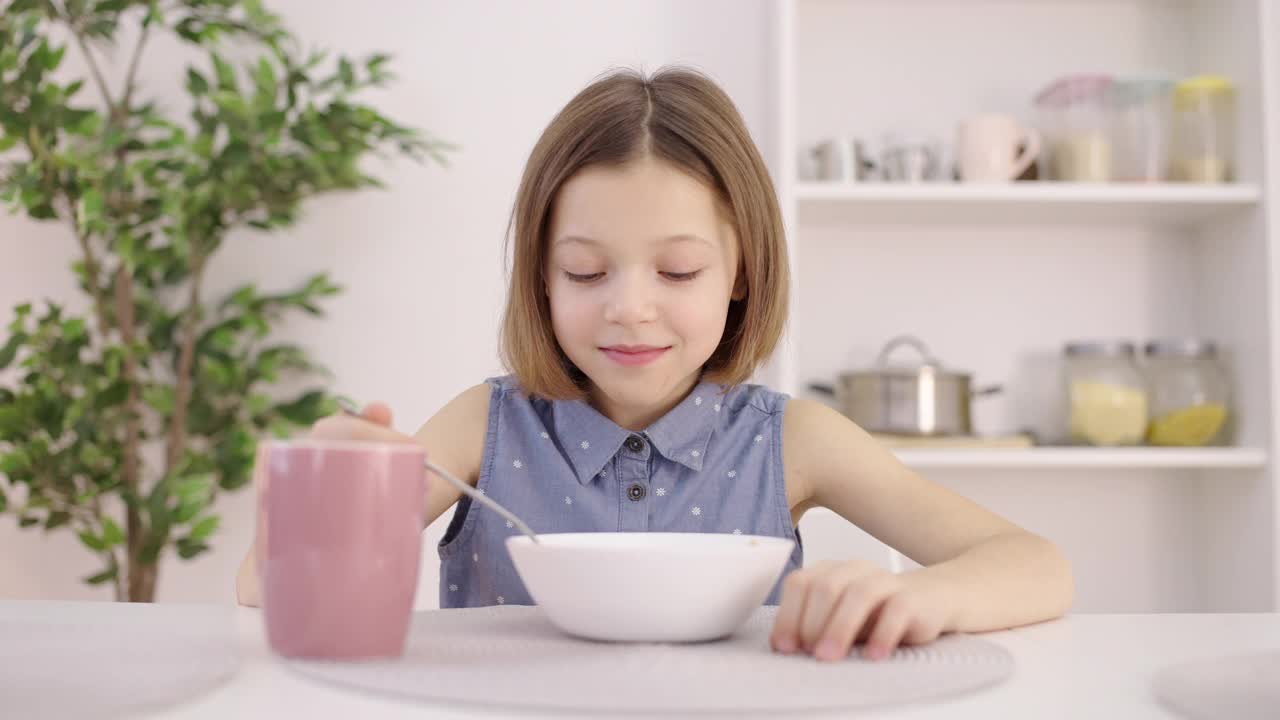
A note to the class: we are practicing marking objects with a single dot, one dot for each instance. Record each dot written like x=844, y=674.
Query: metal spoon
x=463, y=487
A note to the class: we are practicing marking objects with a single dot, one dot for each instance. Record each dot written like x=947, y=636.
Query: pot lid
x=926, y=364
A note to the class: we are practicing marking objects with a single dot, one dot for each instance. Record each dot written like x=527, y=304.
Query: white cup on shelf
x=995, y=148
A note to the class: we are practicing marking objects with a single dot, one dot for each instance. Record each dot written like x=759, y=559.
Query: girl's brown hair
x=679, y=116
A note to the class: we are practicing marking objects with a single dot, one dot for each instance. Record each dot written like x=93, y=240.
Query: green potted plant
x=123, y=425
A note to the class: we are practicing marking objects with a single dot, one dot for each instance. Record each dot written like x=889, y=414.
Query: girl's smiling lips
x=632, y=355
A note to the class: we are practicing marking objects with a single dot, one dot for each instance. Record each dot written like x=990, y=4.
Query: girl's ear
x=739, y=286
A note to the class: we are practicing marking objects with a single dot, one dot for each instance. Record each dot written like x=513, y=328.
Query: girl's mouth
x=633, y=355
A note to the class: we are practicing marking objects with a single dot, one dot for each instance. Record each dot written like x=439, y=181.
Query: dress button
x=635, y=443
x=636, y=492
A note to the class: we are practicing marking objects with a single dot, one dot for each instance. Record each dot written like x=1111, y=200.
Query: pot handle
x=984, y=391
x=823, y=388
x=908, y=340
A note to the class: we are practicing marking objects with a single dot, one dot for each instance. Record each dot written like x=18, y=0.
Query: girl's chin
x=648, y=386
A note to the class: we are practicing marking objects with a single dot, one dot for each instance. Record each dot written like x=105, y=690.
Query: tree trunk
x=142, y=581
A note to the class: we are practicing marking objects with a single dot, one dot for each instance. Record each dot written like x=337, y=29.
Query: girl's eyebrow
x=682, y=237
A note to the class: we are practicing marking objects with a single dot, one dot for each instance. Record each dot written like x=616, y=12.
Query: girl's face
x=640, y=272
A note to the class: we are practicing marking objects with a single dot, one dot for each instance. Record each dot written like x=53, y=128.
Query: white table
x=1080, y=666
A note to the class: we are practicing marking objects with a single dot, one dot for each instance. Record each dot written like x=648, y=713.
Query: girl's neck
x=639, y=417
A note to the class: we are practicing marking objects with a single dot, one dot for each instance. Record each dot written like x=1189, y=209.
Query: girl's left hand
x=828, y=607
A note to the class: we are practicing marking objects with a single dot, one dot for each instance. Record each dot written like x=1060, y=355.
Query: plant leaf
x=10, y=349
x=188, y=549
x=89, y=209
x=113, y=395
x=225, y=74
x=57, y=519
x=264, y=78
x=346, y=73
x=111, y=533
x=15, y=461
x=160, y=397
x=204, y=528
x=91, y=541
x=104, y=576
x=196, y=83
x=308, y=408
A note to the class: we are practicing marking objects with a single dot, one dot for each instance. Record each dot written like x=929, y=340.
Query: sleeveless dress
x=712, y=464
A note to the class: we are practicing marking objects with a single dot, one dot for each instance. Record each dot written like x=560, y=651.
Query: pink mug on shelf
x=339, y=538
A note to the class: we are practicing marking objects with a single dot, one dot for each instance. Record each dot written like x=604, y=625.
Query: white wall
x=422, y=261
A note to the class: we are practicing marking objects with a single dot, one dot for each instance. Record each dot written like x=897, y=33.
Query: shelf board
x=1020, y=203
x=1064, y=458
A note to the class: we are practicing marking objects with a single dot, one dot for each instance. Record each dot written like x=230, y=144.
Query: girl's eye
x=592, y=277
x=681, y=277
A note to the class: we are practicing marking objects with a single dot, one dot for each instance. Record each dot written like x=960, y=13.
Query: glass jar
x=1204, y=118
x=1074, y=118
x=1142, y=110
x=1106, y=394
x=1189, y=393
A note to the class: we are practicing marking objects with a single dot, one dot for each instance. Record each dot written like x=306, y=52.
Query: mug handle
x=1030, y=151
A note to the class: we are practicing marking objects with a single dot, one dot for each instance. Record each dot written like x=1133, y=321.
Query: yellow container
x=1106, y=394
x=1190, y=396
x=1204, y=130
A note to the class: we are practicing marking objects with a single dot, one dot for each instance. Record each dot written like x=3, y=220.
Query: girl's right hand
x=372, y=425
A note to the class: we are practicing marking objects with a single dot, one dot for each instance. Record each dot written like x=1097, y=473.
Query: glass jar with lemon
x=1106, y=394
x=1204, y=119
x=1189, y=393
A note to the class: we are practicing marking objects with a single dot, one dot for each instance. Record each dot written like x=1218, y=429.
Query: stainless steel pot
x=923, y=399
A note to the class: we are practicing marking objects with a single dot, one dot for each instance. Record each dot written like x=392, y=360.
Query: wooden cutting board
x=954, y=442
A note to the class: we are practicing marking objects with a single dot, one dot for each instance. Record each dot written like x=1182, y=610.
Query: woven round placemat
x=513, y=657
x=121, y=660
x=1241, y=687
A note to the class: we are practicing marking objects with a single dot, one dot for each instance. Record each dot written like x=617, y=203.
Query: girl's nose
x=631, y=301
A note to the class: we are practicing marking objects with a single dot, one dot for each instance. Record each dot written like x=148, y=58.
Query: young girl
x=649, y=281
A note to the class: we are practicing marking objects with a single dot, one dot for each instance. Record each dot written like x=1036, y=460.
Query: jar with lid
x=1142, y=109
x=1189, y=393
x=1106, y=394
x=1204, y=117
x=1075, y=120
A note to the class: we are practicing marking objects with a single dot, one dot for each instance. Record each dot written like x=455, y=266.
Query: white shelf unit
x=996, y=278
x=1054, y=458
x=1056, y=203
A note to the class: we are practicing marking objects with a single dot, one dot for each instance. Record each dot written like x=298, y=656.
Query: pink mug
x=339, y=541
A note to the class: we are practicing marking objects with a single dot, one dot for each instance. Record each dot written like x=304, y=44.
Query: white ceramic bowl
x=649, y=587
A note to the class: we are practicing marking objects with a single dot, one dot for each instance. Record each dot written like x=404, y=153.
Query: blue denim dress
x=712, y=464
